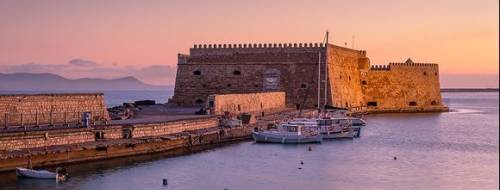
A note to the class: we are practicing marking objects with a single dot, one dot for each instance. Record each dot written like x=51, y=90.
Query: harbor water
x=453, y=150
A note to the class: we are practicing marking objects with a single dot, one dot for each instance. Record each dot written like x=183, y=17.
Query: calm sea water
x=454, y=150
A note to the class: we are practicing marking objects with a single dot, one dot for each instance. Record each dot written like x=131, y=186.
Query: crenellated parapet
x=430, y=65
x=407, y=65
x=258, y=45
x=254, y=48
x=380, y=67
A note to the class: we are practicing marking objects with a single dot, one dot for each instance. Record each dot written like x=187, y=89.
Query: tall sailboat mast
x=325, y=42
x=319, y=80
x=326, y=69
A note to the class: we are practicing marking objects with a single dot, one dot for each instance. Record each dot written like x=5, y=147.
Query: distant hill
x=47, y=82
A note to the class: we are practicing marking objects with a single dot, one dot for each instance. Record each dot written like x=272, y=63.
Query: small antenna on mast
x=326, y=40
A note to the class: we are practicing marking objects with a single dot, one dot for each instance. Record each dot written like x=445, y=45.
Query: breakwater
x=58, y=146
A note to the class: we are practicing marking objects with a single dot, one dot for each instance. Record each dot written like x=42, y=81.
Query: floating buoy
x=301, y=163
x=310, y=148
x=165, y=181
x=300, y=168
x=395, y=158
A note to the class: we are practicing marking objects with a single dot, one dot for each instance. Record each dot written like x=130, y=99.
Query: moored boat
x=37, y=174
x=41, y=174
x=331, y=128
x=288, y=134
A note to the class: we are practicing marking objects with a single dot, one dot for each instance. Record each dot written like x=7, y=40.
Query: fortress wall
x=193, y=89
x=393, y=87
x=344, y=75
x=352, y=83
x=256, y=103
x=259, y=70
x=26, y=109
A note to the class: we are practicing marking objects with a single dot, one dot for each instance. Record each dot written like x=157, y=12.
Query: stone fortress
x=351, y=81
x=260, y=84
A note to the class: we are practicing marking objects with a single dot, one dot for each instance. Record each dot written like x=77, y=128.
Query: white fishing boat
x=330, y=128
x=40, y=174
x=288, y=134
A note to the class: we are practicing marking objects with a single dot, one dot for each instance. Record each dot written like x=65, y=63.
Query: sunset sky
x=109, y=39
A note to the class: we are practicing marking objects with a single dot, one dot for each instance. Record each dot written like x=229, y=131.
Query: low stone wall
x=255, y=103
x=69, y=136
x=159, y=129
x=407, y=110
x=40, y=109
x=13, y=141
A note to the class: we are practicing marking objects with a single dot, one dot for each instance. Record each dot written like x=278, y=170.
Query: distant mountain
x=48, y=82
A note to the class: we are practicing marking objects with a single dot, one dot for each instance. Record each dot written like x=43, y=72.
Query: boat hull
x=276, y=138
x=35, y=174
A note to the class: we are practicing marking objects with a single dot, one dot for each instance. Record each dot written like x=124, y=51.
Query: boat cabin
x=293, y=128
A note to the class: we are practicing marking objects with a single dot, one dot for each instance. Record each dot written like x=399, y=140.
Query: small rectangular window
x=413, y=103
x=371, y=104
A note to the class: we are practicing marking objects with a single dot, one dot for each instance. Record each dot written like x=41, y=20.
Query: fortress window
x=433, y=102
x=363, y=82
x=229, y=85
x=204, y=85
x=303, y=85
x=371, y=104
x=297, y=106
x=413, y=103
x=239, y=107
x=436, y=73
x=256, y=86
x=197, y=72
x=425, y=73
x=349, y=78
x=236, y=72
x=199, y=101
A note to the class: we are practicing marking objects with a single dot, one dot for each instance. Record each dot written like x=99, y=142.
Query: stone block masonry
x=403, y=87
x=71, y=136
x=255, y=103
x=41, y=109
x=166, y=128
x=247, y=68
x=351, y=82
x=36, y=139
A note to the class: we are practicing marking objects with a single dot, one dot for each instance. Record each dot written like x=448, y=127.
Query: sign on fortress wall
x=271, y=79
